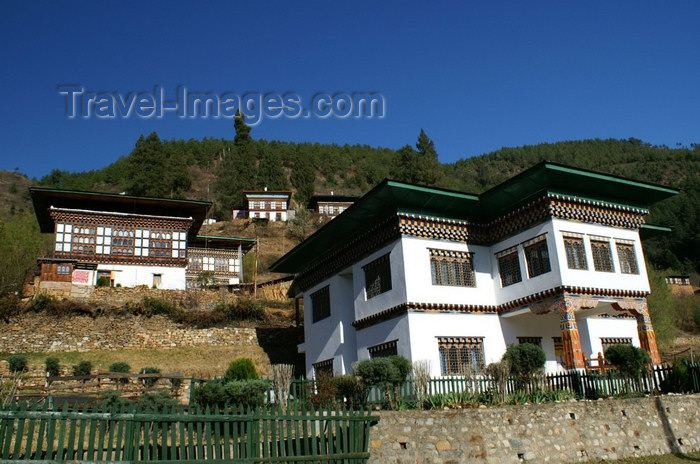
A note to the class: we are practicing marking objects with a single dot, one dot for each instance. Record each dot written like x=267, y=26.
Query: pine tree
x=303, y=177
x=146, y=168
x=242, y=130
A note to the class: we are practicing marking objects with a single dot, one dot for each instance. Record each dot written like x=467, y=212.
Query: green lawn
x=664, y=459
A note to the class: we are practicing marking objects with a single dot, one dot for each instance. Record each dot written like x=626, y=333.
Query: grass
x=202, y=361
x=663, y=459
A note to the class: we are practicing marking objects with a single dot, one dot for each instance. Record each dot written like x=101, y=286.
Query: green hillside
x=219, y=169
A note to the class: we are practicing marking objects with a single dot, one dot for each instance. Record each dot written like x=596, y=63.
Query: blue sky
x=475, y=76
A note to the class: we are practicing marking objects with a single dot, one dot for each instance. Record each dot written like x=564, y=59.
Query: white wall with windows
x=165, y=277
x=592, y=235
x=593, y=329
x=427, y=329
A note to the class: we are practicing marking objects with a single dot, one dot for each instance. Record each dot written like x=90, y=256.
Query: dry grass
x=204, y=361
x=664, y=459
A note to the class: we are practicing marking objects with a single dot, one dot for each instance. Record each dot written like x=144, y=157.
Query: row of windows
x=207, y=263
x=62, y=228
x=267, y=204
x=601, y=252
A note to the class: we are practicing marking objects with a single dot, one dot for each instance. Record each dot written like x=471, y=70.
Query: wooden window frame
x=602, y=255
x=513, y=275
x=377, y=276
x=575, y=251
x=627, y=257
x=537, y=258
x=321, y=304
x=456, y=353
x=384, y=350
x=452, y=268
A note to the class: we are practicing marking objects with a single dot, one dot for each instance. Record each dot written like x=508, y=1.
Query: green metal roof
x=391, y=197
x=652, y=230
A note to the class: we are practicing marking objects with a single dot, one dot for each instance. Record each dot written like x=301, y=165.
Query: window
x=602, y=257
x=321, y=303
x=461, y=355
x=608, y=342
x=377, y=276
x=221, y=264
x=383, y=350
x=558, y=349
x=509, y=267
x=532, y=340
x=628, y=260
x=537, y=256
x=452, y=268
x=195, y=264
x=63, y=269
x=575, y=253
x=324, y=367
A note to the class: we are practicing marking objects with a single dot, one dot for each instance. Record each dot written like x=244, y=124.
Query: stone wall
x=551, y=433
x=31, y=333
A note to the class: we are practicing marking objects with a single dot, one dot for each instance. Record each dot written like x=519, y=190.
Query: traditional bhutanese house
x=552, y=257
x=219, y=258
x=330, y=206
x=267, y=204
x=680, y=285
x=128, y=240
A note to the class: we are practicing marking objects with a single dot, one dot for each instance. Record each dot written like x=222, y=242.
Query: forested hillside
x=218, y=169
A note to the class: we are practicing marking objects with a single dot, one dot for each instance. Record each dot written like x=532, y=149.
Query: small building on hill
x=330, y=206
x=124, y=240
x=272, y=205
x=680, y=285
x=551, y=257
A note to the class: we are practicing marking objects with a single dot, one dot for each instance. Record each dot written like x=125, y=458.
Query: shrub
x=43, y=302
x=157, y=401
x=82, y=368
x=248, y=393
x=628, y=359
x=348, y=387
x=680, y=379
x=53, y=367
x=241, y=369
x=384, y=373
x=326, y=391
x=9, y=306
x=122, y=368
x=525, y=359
x=111, y=400
x=209, y=394
x=18, y=362
x=103, y=281
x=244, y=309
x=150, y=381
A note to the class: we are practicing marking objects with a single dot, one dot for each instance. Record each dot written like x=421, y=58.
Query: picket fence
x=581, y=384
x=129, y=433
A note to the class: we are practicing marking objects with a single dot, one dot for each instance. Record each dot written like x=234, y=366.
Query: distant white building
x=552, y=257
x=131, y=241
x=272, y=205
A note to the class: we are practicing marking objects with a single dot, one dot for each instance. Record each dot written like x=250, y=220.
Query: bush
x=525, y=359
x=628, y=359
x=326, y=391
x=244, y=309
x=209, y=394
x=348, y=387
x=82, y=368
x=53, y=368
x=149, y=382
x=122, y=368
x=384, y=373
x=241, y=369
x=680, y=379
x=18, y=362
x=103, y=281
x=248, y=393
x=43, y=302
x=157, y=401
x=111, y=400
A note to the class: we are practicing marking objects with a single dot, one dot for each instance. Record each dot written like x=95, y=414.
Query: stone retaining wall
x=31, y=333
x=551, y=433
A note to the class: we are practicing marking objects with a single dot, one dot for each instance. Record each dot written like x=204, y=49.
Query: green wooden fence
x=133, y=434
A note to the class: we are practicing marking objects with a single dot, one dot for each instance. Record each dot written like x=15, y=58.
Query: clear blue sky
x=475, y=76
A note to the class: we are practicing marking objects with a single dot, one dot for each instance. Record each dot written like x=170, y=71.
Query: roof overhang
x=391, y=197
x=45, y=198
x=212, y=241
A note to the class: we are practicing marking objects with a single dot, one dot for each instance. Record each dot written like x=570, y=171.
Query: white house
x=131, y=241
x=272, y=205
x=552, y=256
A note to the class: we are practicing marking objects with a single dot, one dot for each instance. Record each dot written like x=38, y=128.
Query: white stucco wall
x=172, y=278
x=392, y=329
x=527, y=324
x=424, y=328
x=591, y=277
x=591, y=330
